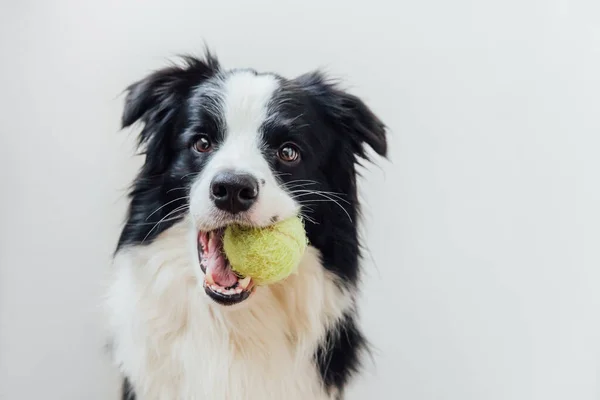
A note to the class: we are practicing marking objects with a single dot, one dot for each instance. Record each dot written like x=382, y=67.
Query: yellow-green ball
x=267, y=255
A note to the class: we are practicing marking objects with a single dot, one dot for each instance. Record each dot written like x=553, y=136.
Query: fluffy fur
x=297, y=339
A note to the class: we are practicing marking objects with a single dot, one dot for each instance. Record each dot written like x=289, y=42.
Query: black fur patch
x=339, y=355
x=127, y=391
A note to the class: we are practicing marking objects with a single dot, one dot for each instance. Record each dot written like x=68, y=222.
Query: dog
x=238, y=146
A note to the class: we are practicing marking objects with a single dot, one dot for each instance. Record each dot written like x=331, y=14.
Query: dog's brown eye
x=289, y=153
x=202, y=144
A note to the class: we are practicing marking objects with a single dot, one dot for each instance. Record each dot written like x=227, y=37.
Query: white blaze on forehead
x=246, y=99
x=244, y=104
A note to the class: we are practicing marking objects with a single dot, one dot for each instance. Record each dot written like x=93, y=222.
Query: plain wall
x=483, y=228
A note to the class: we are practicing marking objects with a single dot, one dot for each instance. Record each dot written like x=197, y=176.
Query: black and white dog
x=238, y=146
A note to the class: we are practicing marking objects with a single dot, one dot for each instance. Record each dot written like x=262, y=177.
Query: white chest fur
x=173, y=342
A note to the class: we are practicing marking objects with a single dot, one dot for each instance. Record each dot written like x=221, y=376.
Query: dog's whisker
x=297, y=185
x=298, y=195
x=309, y=219
x=320, y=193
x=328, y=199
x=302, y=181
x=177, y=188
x=152, y=223
x=325, y=194
x=178, y=209
x=190, y=174
x=281, y=173
x=164, y=205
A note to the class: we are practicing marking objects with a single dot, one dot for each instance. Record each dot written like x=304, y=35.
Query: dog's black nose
x=234, y=192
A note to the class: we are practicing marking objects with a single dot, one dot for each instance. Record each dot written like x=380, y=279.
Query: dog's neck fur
x=173, y=342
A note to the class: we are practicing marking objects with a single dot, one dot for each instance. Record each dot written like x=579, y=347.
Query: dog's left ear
x=346, y=113
x=158, y=101
x=155, y=99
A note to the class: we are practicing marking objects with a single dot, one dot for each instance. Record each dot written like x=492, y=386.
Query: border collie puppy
x=239, y=146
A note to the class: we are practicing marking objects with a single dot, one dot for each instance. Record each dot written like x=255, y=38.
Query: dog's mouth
x=221, y=283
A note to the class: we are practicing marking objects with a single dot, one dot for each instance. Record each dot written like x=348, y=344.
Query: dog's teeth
x=209, y=279
x=243, y=283
x=238, y=290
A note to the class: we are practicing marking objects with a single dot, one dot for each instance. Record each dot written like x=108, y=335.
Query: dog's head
x=237, y=146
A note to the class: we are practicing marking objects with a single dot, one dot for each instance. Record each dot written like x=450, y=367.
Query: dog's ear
x=155, y=99
x=346, y=114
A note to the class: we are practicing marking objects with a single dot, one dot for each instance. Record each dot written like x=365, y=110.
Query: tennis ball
x=268, y=254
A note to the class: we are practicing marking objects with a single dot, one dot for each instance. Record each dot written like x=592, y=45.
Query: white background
x=484, y=269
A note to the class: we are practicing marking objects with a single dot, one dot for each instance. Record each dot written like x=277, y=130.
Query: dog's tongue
x=219, y=271
x=217, y=267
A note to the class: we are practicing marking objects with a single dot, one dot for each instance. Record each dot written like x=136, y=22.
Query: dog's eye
x=289, y=153
x=203, y=144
